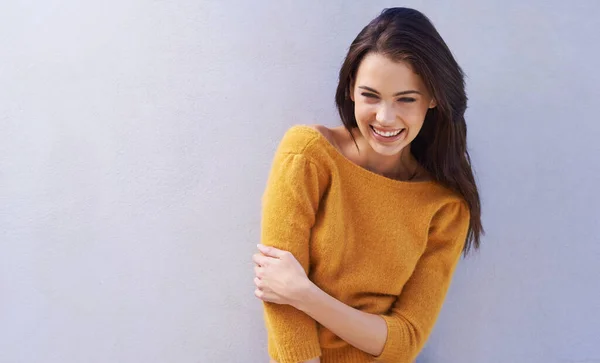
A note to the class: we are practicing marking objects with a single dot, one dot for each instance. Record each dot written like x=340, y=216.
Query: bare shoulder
x=324, y=130
x=331, y=134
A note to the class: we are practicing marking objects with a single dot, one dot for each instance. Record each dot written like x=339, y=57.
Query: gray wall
x=136, y=138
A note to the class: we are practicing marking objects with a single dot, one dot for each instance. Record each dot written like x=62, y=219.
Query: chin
x=386, y=151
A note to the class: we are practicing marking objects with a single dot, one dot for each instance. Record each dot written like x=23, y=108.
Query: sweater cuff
x=392, y=349
x=299, y=353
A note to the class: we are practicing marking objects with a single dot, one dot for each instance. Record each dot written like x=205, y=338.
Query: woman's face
x=390, y=103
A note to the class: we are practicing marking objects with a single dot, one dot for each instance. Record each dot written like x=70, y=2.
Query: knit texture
x=380, y=245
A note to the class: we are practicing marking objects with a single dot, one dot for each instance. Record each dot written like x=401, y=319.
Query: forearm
x=367, y=332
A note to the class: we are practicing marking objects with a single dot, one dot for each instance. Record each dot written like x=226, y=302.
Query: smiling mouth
x=389, y=134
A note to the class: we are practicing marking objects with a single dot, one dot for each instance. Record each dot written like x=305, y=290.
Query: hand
x=279, y=277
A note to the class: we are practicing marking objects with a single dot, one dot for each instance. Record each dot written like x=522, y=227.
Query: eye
x=369, y=95
x=407, y=99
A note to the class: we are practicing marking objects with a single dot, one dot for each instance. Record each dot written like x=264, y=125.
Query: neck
x=402, y=166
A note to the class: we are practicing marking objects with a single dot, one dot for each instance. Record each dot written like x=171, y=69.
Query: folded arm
x=399, y=335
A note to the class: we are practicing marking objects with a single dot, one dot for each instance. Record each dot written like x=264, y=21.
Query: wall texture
x=136, y=138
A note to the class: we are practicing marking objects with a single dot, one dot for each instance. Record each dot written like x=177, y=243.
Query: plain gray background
x=136, y=137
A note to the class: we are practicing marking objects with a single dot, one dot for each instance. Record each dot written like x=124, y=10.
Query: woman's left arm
x=280, y=279
x=398, y=335
x=367, y=332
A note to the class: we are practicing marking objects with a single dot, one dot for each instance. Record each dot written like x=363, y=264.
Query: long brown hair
x=404, y=34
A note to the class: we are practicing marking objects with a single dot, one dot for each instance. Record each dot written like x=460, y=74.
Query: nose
x=385, y=114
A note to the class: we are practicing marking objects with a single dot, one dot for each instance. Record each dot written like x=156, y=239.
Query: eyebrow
x=396, y=94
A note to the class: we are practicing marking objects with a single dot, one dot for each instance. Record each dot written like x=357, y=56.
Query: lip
x=384, y=129
x=386, y=140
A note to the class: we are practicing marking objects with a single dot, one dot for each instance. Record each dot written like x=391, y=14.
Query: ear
x=433, y=103
x=351, y=90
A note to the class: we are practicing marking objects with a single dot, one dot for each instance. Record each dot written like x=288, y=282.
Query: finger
x=264, y=261
x=258, y=272
x=262, y=295
x=260, y=259
x=265, y=296
x=271, y=251
x=259, y=284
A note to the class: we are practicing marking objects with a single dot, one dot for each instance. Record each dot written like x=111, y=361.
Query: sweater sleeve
x=413, y=315
x=289, y=206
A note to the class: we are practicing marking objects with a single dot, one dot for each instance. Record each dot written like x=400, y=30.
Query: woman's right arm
x=289, y=205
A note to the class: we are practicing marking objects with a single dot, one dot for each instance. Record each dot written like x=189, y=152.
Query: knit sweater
x=380, y=245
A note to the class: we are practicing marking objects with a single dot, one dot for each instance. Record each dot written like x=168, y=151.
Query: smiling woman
x=363, y=224
x=389, y=120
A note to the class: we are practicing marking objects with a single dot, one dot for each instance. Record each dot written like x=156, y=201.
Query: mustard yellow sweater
x=380, y=245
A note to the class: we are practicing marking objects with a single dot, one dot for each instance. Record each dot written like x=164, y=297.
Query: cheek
x=364, y=112
x=414, y=115
x=415, y=123
x=415, y=120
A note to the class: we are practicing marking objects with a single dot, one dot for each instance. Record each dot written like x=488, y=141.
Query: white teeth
x=386, y=134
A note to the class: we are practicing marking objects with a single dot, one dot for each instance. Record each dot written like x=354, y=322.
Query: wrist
x=307, y=296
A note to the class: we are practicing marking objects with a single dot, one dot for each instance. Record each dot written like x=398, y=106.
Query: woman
x=363, y=224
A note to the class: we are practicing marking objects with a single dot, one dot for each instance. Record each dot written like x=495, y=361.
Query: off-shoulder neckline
x=359, y=169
